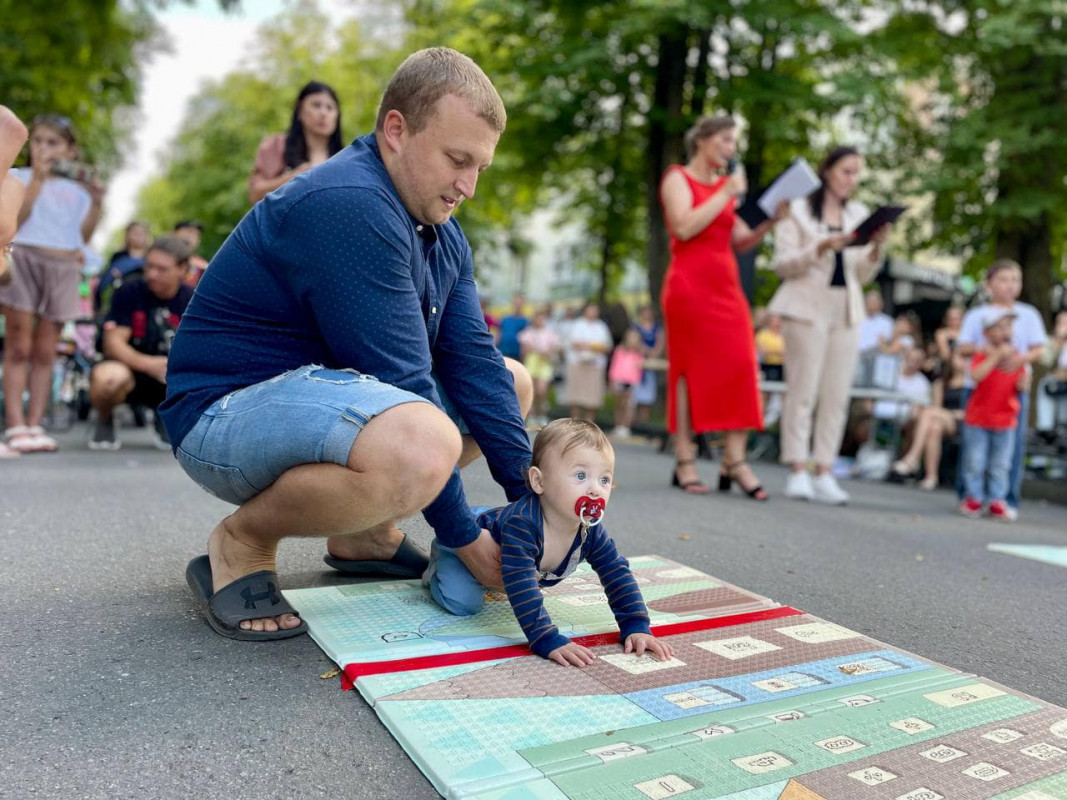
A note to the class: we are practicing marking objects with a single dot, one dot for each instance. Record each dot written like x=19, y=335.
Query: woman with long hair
x=712, y=380
x=820, y=301
x=314, y=136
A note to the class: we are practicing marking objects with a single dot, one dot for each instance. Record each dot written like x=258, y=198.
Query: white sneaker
x=826, y=490
x=798, y=485
x=620, y=432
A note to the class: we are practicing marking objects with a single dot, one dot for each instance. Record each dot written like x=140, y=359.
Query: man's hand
x=482, y=558
x=639, y=643
x=572, y=654
x=156, y=368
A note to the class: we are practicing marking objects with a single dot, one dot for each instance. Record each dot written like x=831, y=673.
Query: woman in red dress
x=712, y=373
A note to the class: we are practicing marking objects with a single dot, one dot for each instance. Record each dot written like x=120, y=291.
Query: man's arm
x=476, y=379
x=117, y=347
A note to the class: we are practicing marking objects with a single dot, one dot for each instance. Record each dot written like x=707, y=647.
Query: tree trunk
x=664, y=147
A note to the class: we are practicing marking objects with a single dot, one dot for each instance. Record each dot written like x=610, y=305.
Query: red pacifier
x=590, y=511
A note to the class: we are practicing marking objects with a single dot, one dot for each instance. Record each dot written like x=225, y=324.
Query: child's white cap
x=994, y=315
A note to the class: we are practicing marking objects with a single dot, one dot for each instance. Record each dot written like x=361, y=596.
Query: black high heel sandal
x=727, y=478
x=689, y=487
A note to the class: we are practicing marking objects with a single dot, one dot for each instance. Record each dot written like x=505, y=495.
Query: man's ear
x=394, y=126
x=537, y=480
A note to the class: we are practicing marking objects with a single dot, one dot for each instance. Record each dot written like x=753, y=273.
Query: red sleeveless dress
x=710, y=341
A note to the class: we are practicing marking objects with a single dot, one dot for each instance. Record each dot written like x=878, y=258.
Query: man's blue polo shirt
x=331, y=269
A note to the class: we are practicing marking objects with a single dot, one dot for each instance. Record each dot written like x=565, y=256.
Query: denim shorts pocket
x=225, y=483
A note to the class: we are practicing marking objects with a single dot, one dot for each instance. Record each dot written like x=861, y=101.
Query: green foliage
x=994, y=151
x=207, y=168
x=78, y=59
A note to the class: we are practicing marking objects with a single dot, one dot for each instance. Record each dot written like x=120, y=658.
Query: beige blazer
x=806, y=276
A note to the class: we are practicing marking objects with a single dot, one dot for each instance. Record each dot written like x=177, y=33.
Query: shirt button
x=433, y=310
x=418, y=228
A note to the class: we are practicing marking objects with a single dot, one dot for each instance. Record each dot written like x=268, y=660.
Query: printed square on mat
x=639, y=665
x=872, y=776
x=1059, y=729
x=712, y=731
x=963, y=695
x=739, y=647
x=613, y=752
x=817, y=632
x=762, y=762
x=912, y=725
x=922, y=793
x=1043, y=751
x=774, y=685
x=662, y=788
x=1002, y=735
x=942, y=754
x=840, y=744
x=985, y=771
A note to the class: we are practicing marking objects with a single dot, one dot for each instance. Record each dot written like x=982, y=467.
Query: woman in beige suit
x=821, y=303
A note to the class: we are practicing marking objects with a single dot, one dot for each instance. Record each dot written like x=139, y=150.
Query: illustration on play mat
x=760, y=701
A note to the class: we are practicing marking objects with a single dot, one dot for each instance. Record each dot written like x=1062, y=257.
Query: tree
x=78, y=59
x=600, y=93
x=994, y=146
x=207, y=167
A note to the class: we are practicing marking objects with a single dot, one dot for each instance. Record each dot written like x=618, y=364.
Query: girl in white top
x=55, y=220
x=12, y=136
x=587, y=348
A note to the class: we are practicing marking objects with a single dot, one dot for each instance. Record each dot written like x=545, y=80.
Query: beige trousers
x=820, y=360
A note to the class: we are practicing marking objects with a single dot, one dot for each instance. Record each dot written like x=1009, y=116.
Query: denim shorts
x=244, y=441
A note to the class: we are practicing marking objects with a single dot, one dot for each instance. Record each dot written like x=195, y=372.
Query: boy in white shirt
x=1004, y=282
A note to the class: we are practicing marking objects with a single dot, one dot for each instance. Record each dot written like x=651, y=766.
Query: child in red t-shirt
x=991, y=418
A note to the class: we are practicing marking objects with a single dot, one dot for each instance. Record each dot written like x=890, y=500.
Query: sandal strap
x=685, y=462
x=253, y=596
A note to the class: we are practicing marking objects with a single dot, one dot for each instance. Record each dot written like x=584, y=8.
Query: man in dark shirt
x=138, y=332
x=334, y=353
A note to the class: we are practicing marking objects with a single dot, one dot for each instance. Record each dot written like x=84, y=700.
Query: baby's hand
x=638, y=643
x=573, y=654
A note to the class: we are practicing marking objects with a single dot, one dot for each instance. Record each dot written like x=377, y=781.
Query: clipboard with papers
x=797, y=180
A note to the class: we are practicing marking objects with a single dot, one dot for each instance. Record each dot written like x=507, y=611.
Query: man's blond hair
x=428, y=75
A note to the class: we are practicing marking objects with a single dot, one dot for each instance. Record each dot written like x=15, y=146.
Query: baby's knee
x=461, y=598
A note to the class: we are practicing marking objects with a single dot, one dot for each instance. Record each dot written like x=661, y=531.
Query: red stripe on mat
x=354, y=671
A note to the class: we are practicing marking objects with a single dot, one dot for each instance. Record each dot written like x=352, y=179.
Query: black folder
x=883, y=215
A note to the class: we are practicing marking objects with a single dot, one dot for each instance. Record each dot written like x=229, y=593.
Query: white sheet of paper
x=799, y=180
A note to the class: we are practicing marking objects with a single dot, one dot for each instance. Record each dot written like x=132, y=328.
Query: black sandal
x=689, y=487
x=727, y=478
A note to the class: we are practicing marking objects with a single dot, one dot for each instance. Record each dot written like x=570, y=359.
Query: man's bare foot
x=233, y=557
x=376, y=544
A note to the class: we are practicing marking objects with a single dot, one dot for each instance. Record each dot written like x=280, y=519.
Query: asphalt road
x=114, y=687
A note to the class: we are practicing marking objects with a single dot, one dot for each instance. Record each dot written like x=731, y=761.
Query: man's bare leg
x=380, y=542
x=397, y=466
